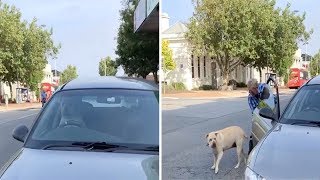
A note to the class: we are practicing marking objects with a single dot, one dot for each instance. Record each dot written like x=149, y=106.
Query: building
x=56, y=77
x=193, y=71
x=17, y=87
x=146, y=16
x=48, y=75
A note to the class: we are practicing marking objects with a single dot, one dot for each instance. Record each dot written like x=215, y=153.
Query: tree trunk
x=11, y=93
x=155, y=77
x=260, y=73
x=225, y=77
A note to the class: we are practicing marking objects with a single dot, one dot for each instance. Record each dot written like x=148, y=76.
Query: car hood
x=51, y=164
x=289, y=152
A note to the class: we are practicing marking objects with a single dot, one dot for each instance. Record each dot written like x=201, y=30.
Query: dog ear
x=216, y=134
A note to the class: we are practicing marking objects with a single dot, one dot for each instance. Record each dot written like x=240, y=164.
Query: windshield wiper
x=150, y=148
x=98, y=145
x=301, y=122
x=87, y=145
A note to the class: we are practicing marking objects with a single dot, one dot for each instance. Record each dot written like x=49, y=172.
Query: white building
x=48, y=75
x=194, y=71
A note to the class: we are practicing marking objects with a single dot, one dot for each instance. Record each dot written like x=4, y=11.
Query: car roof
x=313, y=81
x=111, y=82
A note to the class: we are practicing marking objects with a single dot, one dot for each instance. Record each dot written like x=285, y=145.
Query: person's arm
x=251, y=103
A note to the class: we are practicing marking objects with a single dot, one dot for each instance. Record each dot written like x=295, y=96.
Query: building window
x=198, y=67
x=204, y=67
x=192, y=66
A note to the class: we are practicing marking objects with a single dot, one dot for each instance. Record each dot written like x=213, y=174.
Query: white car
x=72, y=138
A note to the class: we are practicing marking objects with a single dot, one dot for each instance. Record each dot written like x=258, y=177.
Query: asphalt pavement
x=185, y=123
x=8, y=121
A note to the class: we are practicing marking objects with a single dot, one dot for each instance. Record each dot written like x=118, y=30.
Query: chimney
x=164, y=22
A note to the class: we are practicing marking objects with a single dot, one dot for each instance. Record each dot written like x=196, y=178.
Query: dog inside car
x=225, y=139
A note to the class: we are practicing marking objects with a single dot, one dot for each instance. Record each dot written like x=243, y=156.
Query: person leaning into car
x=257, y=93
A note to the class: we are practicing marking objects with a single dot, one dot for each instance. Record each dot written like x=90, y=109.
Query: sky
x=181, y=10
x=87, y=30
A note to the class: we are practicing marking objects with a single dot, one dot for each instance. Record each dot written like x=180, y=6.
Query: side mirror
x=19, y=133
x=267, y=113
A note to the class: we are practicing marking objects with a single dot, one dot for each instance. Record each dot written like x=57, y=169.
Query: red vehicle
x=297, y=77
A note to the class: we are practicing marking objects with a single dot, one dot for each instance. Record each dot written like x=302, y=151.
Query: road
x=8, y=121
x=185, y=123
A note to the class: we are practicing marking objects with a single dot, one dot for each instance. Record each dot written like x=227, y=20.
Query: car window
x=268, y=98
x=304, y=106
x=111, y=115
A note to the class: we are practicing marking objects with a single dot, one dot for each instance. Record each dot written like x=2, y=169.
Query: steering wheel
x=315, y=109
x=71, y=123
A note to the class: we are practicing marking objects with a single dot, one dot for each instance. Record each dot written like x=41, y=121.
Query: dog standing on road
x=225, y=139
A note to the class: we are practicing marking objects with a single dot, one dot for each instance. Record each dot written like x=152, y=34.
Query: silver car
x=290, y=148
x=102, y=128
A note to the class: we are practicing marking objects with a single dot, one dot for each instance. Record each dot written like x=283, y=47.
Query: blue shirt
x=252, y=100
x=43, y=95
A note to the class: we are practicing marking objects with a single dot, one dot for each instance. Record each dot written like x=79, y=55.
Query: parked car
x=260, y=125
x=74, y=138
x=290, y=148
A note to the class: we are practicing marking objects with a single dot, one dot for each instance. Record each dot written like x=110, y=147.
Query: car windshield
x=114, y=116
x=305, y=106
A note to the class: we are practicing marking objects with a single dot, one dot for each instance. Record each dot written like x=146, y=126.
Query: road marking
x=170, y=98
x=18, y=118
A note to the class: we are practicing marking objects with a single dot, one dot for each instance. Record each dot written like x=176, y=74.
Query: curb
x=219, y=97
x=16, y=109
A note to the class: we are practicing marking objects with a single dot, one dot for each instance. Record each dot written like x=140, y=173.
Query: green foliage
x=315, y=65
x=24, y=48
x=205, y=87
x=138, y=53
x=178, y=86
x=68, y=74
x=245, y=32
x=107, y=67
x=168, y=63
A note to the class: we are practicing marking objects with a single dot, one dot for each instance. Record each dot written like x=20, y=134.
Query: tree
x=314, y=64
x=138, y=52
x=245, y=32
x=290, y=29
x=107, y=67
x=11, y=42
x=68, y=74
x=222, y=30
x=38, y=46
x=168, y=63
x=24, y=48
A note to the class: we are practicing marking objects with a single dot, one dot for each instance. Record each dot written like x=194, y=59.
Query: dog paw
x=213, y=167
x=216, y=170
x=237, y=166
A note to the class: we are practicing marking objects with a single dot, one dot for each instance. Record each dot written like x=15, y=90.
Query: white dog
x=225, y=139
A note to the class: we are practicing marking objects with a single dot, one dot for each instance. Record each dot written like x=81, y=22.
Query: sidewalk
x=217, y=94
x=14, y=106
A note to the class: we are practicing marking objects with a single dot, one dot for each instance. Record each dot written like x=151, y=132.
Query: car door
x=260, y=125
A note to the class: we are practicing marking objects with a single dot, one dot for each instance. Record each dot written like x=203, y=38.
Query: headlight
x=251, y=175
